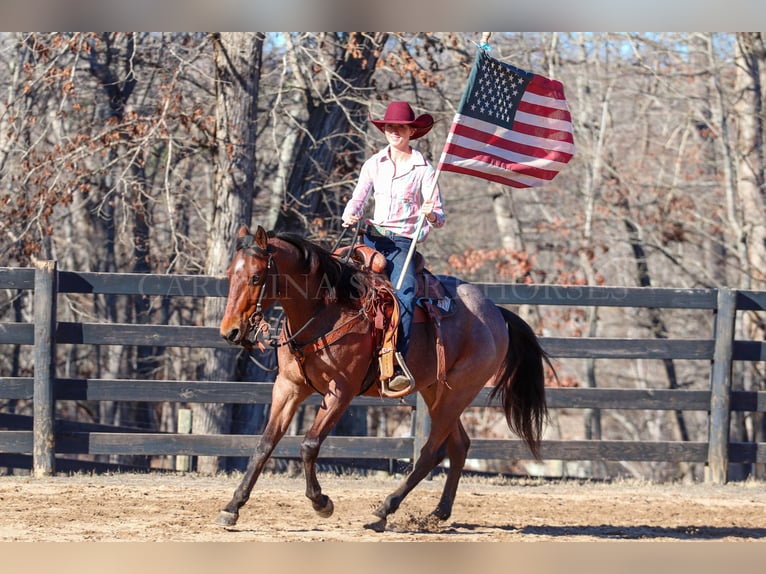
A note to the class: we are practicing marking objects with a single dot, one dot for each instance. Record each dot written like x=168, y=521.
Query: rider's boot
x=402, y=377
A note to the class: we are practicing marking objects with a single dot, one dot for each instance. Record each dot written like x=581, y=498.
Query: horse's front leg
x=333, y=406
x=286, y=397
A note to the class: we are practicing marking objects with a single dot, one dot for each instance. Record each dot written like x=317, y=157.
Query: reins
x=357, y=231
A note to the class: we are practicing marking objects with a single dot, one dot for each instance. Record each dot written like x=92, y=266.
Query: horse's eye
x=255, y=279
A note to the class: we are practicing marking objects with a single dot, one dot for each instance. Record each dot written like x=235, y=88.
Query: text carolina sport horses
x=332, y=346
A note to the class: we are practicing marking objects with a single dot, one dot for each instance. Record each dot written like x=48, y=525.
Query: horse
x=328, y=345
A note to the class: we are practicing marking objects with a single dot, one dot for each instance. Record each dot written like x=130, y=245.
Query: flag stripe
x=546, y=87
x=540, y=169
x=548, y=115
x=541, y=122
x=467, y=147
x=551, y=135
x=527, y=141
x=530, y=135
x=545, y=101
x=500, y=176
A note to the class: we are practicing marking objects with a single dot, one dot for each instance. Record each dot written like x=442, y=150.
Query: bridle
x=255, y=319
x=257, y=323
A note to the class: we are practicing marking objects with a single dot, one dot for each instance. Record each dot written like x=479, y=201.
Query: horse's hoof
x=226, y=518
x=378, y=525
x=441, y=514
x=327, y=510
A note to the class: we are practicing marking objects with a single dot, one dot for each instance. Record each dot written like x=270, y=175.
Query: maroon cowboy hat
x=401, y=113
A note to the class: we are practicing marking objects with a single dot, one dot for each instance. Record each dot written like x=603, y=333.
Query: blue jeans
x=395, y=249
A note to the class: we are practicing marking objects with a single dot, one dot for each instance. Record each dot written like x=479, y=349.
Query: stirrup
x=401, y=383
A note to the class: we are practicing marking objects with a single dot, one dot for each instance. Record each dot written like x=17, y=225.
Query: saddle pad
x=431, y=290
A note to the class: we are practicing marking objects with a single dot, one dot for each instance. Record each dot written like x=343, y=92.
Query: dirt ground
x=178, y=508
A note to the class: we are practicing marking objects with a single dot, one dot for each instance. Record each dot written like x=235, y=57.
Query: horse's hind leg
x=284, y=405
x=445, y=432
x=431, y=454
x=458, y=444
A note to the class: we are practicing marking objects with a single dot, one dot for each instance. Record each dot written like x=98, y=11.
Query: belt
x=380, y=232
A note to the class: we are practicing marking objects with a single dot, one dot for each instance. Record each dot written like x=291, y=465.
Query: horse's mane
x=345, y=283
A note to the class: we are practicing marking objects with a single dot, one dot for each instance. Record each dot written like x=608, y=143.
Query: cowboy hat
x=401, y=113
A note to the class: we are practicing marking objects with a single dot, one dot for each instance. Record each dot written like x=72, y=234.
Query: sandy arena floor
x=184, y=508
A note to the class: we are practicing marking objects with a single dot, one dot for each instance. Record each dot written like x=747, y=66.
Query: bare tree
x=237, y=58
x=750, y=59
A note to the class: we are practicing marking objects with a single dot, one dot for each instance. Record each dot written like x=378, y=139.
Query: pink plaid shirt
x=397, y=199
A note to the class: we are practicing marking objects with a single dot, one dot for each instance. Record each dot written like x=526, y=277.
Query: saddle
x=432, y=303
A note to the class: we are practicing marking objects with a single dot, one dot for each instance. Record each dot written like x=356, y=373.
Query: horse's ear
x=243, y=231
x=261, y=239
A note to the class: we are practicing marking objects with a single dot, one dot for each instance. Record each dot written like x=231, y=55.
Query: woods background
x=144, y=153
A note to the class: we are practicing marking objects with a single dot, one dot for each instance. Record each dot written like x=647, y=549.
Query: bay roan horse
x=328, y=346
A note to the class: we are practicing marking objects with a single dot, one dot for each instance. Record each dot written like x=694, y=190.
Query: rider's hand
x=350, y=220
x=427, y=210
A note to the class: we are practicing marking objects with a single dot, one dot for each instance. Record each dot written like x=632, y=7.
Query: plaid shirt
x=397, y=199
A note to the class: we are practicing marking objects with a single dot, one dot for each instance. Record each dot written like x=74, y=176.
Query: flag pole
x=418, y=228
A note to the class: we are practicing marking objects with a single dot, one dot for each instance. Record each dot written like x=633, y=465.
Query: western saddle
x=433, y=303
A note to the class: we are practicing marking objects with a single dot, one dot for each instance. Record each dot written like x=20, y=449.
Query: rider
x=403, y=184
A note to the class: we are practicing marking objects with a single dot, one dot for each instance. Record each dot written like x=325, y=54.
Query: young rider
x=402, y=183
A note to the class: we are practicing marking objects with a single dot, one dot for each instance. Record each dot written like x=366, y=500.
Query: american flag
x=512, y=127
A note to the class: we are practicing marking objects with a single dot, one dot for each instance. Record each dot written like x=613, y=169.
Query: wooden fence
x=49, y=437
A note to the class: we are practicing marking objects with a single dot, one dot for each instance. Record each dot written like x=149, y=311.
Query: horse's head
x=248, y=273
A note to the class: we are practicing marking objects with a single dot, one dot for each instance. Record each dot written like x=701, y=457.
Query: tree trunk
x=507, y=223
x=320, y=149
x=237, y=60
x=595, y=120
x=749, y=57
x=117, y=86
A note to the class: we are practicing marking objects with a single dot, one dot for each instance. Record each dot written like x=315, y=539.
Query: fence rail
x=45, y=437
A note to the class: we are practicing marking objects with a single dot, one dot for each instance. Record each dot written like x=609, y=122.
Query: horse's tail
x=521, y=382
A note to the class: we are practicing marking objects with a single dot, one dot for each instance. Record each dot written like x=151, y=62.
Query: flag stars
x=496, y=91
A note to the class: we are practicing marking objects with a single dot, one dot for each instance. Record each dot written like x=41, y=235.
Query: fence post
x=44, y=438
x=183, y=461
x=720, y=387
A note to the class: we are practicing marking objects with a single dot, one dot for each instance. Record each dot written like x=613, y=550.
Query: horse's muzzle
x=241, y=334
x=232, y=336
